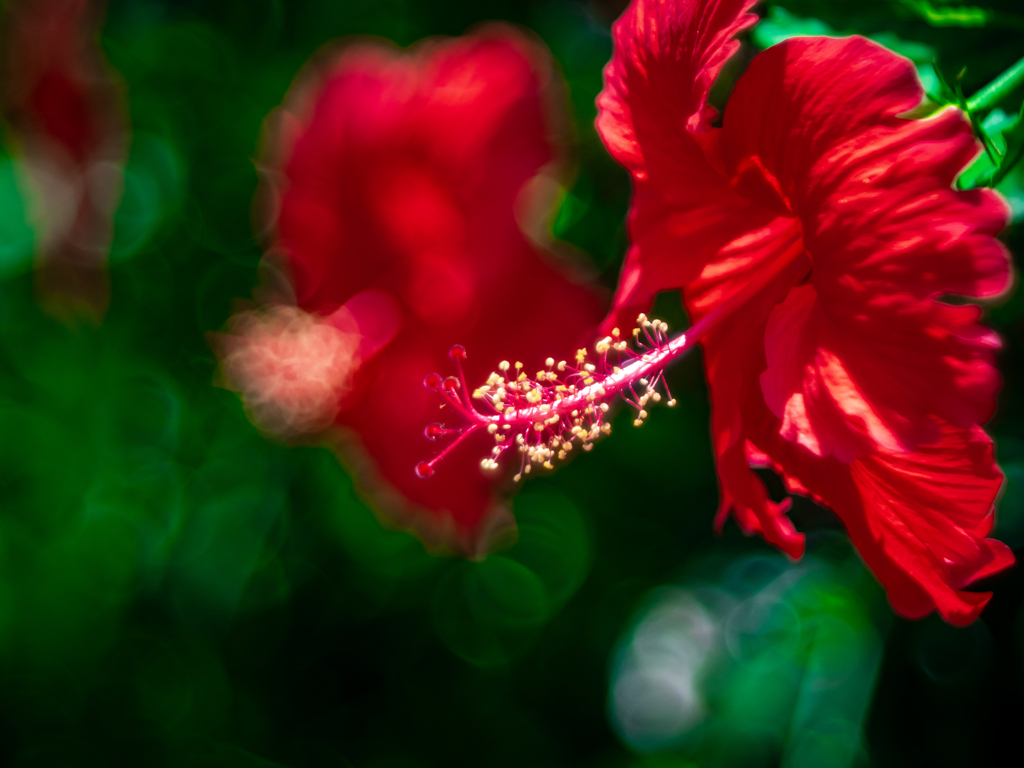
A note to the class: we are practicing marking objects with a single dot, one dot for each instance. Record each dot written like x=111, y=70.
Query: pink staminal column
x=565, y=404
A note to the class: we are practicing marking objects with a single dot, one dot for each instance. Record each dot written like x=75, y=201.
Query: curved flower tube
x=393, y=185
x=846, y=372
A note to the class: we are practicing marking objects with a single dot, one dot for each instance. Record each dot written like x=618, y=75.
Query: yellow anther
x=503, y=366
x=615, y=332
x=492, y=428
x=561, y=365
x=671, y=403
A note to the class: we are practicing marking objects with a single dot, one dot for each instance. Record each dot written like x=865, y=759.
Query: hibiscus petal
x=399, y=174
x=872, y=189
x=733, y=353
x=676, y=242
x=667, y=55
x=844, y=382
x=863, y=355
x=459, y=124
x=918, y=519
x=654, y=119
x=63, y=106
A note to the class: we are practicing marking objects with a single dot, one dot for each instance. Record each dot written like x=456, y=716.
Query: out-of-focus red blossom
x=64, y=109
x=846, y=373
x=394, y=181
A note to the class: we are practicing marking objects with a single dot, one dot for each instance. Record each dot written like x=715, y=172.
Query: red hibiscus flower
x=65, y=111
x=395, y=181
x=821, y=222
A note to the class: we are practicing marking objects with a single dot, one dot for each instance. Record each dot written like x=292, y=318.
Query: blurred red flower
x=64, y=106
x=844, y=370
x=398, y=186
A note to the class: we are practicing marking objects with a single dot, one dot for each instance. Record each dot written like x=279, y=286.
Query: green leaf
x=960, y=16
x=781, y=25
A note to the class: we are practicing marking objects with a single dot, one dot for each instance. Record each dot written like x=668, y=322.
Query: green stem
x=991, y=94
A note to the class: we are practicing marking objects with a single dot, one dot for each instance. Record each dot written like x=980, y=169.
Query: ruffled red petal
x=401, y=173
x=864, y=354
x=844, y=379
x=918, y=519
x=732, y=354
x=654, y=118
x=667, y=55
x=848, y=353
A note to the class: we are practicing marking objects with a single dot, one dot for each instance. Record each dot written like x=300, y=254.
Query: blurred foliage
x=175, y=590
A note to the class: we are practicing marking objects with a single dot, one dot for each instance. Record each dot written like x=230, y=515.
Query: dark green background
x=176, y=590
